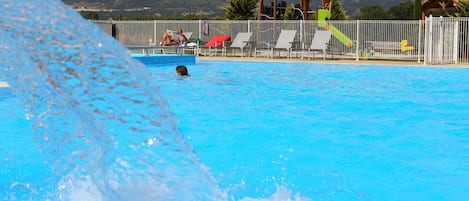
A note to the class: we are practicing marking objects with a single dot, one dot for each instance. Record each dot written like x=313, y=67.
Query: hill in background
x=210, y=8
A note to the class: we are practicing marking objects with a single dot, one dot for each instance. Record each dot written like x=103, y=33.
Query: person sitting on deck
x=171, y=38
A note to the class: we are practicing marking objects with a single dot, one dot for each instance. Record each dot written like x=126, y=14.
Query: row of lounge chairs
x=243, y=41
x=221, y=44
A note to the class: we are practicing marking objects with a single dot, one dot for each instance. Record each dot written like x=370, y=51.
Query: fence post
x=154, y=32
x=440, y=39
x=302, y=34
x=200, y=30
x=357, y=57
x=456, y=41
x=249, y=26
x=419, y=40
x=429, y=41
x=425, y=42
x=114, y=30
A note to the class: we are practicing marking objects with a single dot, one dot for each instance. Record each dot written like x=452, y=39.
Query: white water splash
x=93, y=108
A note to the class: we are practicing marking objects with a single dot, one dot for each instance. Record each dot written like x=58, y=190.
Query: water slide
x=324, y=14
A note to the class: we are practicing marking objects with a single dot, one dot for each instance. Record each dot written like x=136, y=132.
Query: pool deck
x=335, y=61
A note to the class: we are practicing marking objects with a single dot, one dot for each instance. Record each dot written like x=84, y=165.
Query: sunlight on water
x=99, y=121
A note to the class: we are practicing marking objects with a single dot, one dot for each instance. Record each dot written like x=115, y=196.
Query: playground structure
x=323, y=15
x=304, y=6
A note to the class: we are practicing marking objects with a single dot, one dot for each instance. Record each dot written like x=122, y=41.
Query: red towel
x=217, y=41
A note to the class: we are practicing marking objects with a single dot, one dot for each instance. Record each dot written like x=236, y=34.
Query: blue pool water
x=282, y=131
x=84, y=121
x=328, y=132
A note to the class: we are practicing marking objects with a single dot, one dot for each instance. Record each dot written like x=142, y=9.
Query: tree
x=240, y=10
x=417, y=10
x=402, y=11
x=462, y=8
x=372, y=13
x=291, y=14
x=337, y=11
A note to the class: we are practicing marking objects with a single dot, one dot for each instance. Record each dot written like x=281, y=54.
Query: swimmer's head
x=182, y=71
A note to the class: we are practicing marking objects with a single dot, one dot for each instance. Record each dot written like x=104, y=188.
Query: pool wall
x=186, y=59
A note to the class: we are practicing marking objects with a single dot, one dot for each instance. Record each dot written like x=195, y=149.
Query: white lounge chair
x=319, y=43
x=284, y=42
x=174, y=34
x=154, y=46
x=240, y=42
x=187, y=35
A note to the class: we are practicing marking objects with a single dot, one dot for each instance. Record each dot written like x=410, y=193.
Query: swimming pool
x=108, y=128
x=315, y=131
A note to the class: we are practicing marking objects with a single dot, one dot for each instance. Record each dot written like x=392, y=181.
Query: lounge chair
x=175, y=33
x=155, y=46
x=215, y=44
x=319, y=43
x=153, y=49
x=284, y=42
x=188, y=35
x=240, y=42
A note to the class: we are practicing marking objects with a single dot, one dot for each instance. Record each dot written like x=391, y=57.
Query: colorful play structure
x=323, y=14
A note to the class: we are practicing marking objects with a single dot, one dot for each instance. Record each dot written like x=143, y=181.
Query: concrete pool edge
x=350, y=62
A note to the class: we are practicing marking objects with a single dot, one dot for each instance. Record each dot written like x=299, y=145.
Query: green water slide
x=324, y=14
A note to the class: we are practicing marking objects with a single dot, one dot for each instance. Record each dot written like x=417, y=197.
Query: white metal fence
x=433, y=41
x=446, y=40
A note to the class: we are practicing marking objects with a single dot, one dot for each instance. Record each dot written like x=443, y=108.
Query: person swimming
x=182, y=71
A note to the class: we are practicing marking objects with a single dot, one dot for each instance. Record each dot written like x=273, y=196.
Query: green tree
x=240, y=10
x=291, y=13
x=417, y=9
x=402, y=11
x=372, y=13
x=337, y=10
x=462, y=8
